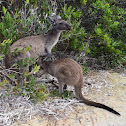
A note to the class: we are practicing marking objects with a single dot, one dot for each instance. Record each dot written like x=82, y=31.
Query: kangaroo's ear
x=57, y=17
x=53, y=19
x=50, y=20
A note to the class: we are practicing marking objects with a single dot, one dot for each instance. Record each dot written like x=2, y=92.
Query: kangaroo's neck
x=51, y=39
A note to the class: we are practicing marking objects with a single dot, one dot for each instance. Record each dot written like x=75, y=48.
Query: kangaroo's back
x=66, y=70
x=35, y=49
x=31, y=41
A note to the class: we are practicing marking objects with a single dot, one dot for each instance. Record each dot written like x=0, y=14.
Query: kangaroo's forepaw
x=49, y=57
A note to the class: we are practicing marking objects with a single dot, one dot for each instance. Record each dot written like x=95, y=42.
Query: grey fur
x=39, y=45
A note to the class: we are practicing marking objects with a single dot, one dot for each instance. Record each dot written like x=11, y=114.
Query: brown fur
x=69, y=72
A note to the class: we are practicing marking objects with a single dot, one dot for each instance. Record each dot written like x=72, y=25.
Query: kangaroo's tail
x=99, y=105
x=91, y=103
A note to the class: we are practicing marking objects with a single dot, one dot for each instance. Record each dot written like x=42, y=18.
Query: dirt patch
x=105, y=87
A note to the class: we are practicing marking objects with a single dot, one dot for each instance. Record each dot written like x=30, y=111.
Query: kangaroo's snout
x=69, y=27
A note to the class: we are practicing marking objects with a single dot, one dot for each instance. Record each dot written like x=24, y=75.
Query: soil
x=106, y=87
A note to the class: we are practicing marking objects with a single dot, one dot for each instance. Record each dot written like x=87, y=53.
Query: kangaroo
x=39, y=44
x=69, y=72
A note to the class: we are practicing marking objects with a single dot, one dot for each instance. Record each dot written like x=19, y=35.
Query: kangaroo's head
x=62, y=25
x=59, y=24
x=44, y=65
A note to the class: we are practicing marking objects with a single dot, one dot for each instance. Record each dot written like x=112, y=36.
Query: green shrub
x=8, y=26
x=98, y=30
x=24, y=22
x=105, y=26
x=76, y=37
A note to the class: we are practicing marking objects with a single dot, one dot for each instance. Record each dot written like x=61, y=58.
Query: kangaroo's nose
x=69, y=27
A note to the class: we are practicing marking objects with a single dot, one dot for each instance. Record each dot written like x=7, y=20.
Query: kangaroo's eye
x=60, y=23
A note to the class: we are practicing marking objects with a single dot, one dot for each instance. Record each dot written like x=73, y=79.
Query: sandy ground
x=105, y=87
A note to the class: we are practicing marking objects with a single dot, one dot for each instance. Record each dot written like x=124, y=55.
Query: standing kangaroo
x=39, y=45
x=69, y=72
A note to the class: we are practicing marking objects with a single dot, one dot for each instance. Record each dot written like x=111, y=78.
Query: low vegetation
x=98, y=31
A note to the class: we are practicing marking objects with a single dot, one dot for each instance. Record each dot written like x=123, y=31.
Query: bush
x=26, y=21
x=77, y=34
x=23, y=22
x=105, y=26
x=98, y=30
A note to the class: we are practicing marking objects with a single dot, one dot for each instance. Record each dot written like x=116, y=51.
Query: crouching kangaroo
x=39, y=44
x=69, y=72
